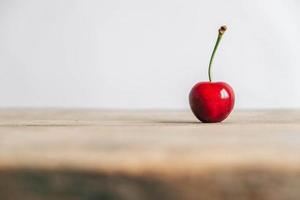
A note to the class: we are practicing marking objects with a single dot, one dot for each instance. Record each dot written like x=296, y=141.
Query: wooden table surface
x=94, y=154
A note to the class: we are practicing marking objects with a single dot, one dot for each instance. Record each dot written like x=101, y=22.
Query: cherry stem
x=221, y=32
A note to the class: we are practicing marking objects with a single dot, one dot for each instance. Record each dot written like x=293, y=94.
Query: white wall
x=146, y=54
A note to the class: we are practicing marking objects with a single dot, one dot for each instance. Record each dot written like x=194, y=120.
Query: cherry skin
x=211, y=101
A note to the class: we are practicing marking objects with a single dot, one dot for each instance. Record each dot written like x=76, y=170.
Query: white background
x=146, y=54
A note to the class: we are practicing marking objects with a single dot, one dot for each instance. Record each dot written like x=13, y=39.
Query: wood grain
x=96, y=154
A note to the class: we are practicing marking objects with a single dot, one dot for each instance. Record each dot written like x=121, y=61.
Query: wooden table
x=145, y=155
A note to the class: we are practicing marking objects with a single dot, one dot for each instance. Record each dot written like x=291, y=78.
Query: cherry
x=212, y=101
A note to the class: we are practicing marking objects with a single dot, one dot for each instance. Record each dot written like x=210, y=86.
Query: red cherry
x=211, y=102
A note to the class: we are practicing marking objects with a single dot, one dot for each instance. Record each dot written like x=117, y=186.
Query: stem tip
x=222, y=29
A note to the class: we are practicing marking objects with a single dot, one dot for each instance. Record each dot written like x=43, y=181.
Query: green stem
x=221, y=32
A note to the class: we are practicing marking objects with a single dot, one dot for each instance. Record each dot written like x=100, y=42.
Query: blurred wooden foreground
x=147, y=155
